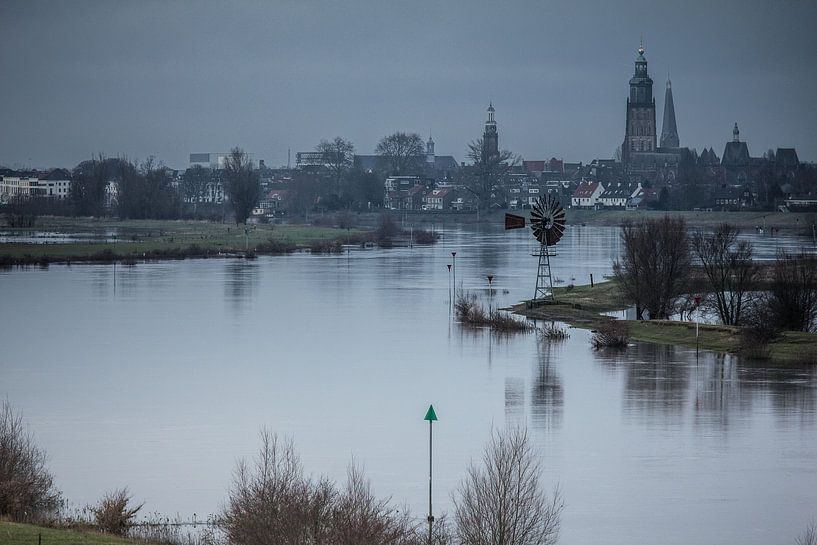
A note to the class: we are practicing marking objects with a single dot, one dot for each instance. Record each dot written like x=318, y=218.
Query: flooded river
x=159, y=377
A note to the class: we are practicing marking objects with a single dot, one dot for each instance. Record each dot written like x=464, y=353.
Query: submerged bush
x=422, y=236
x=470, y=312
x=553, y=332
x=611, y=334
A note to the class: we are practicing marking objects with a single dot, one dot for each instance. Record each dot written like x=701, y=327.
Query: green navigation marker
x=431, y=416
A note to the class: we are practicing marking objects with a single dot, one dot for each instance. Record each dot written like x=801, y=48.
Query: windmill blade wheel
x=547, y=220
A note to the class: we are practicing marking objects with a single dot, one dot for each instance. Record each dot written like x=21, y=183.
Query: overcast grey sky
x=169, y=78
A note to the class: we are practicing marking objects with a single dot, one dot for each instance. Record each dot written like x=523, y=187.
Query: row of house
x=55, y=183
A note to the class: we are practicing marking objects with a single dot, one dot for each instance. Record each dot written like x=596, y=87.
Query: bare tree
x=809, y=535
x=339, y=155
x=26, y=486
x=792, y=296
x=401, y=153
x=502, y=502
x=243, y=184
x=729, y=269
x=89, y=183
x=655, y=266
x=194, y=184
x=147, y=191
x=489, y=169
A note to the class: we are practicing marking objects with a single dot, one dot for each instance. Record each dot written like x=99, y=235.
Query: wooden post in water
x=591, y=280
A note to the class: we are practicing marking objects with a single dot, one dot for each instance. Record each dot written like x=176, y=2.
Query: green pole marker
x=431, y=416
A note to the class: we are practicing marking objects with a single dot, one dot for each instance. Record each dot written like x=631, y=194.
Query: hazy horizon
x=168, y=79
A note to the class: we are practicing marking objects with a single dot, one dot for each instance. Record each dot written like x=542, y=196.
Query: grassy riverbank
x=13, y=533
x=582, y=306
x=152, y=239
x=798, y=222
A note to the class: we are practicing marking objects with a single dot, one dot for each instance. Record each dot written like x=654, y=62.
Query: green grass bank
x=153, y=239
x=12, y=533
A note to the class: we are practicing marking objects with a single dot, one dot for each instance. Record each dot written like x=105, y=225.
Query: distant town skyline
x=168, y=79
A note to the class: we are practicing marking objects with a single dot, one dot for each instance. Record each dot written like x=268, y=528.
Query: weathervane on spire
x=641, y=46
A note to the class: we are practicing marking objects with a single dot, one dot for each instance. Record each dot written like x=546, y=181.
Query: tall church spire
x=669, y=130
x=491, y=136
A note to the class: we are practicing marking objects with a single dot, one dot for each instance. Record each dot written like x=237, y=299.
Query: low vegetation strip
x=582, y=306
x=148, y=239
x=13, y=533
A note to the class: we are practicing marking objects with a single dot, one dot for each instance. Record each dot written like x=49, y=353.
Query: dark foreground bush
x=272, y=501
x=273, y=247
x=326, y=247
x=114, y=513
x=27, y=490
x=611, y=334
x=386, y=230
x=759, y=331
x=423, y=236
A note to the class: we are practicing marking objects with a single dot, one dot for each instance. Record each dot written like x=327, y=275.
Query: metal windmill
x=547, y=220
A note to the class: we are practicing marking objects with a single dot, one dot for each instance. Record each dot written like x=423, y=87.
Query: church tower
x=640, y=133
x=490, y=137
x=669, y=130
x=430, y=151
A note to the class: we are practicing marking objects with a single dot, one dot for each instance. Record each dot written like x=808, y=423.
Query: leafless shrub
x=271, y=501
x=809, y=535
x=468, y=309
x=114, y=513
x=758, y=331
x=270, y=498
x=359, y=518
x=502, y=501
x=610, y=334
x=27, y=489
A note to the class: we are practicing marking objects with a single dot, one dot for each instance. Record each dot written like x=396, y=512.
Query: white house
x=587, y=195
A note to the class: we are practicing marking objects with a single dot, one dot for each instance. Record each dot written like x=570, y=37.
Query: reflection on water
x=240, y=282
x=547, y=396
x=159, y=376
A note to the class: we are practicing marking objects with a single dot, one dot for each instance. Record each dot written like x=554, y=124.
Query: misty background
x=170, y=78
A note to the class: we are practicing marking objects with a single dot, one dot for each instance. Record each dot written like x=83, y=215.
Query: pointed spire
x=669, y=129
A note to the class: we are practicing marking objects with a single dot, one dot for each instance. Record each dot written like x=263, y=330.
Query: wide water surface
x=161, y=376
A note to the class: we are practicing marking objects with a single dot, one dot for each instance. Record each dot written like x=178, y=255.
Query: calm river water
x=159, y=377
